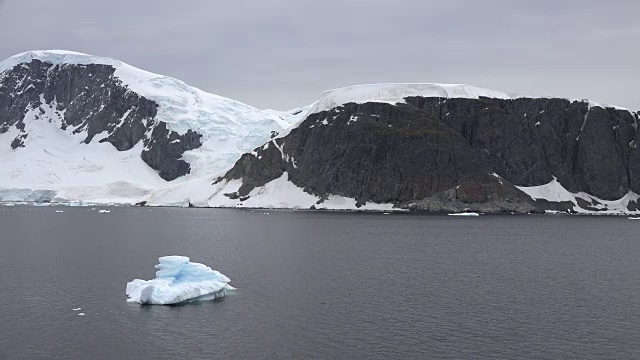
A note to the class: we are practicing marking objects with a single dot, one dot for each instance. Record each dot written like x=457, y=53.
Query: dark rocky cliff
x=92, y=101
x=454, y=154
x=528, y=141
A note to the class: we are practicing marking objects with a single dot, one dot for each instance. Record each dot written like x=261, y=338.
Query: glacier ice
x=178, y=280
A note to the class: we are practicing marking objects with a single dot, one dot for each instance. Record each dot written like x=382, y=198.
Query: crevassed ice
x=178, y=280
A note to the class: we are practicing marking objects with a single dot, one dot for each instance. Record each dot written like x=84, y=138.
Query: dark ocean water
x=322, y=285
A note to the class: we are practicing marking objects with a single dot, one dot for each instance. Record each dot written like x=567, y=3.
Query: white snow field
x=555, y=192
x=280, y=193
x=178, y=280
x=55, y=159
x=465, y=214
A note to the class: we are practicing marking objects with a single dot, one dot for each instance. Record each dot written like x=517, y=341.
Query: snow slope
x=556, y=193
x=280, y=193
x=56, y=159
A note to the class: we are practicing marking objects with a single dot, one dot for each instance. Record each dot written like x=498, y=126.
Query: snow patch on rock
x=555, y=192
x=279, y=193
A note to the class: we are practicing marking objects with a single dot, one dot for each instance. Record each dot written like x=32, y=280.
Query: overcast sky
x=283, y=53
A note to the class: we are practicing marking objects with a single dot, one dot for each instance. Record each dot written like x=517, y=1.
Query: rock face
x=90, y=100
x=450, y=154
x=529, y=141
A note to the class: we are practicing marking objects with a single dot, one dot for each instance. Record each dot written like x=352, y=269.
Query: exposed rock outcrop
x=453, y=154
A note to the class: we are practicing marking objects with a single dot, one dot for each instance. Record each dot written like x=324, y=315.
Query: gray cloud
x=284, y=53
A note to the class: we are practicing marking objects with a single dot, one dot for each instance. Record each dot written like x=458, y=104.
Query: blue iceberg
x=179, y=280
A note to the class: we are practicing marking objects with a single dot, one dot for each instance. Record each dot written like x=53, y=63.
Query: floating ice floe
x=465, y=214
x=104, y=211
x=634, y=218
x=179, y=280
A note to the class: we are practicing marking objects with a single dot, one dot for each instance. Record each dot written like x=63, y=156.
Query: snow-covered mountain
x=436, y=147
x=81, y=127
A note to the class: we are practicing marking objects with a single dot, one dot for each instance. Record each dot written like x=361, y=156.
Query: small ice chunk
x=59, y=211
x=465, y=214
x=80, y=314
x=104, y=211
x=77, y=309
x=178, y=280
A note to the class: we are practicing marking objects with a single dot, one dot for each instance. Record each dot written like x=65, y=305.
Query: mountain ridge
x=97, y=127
